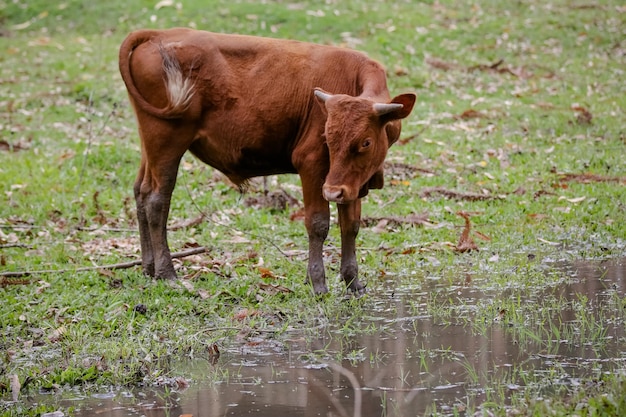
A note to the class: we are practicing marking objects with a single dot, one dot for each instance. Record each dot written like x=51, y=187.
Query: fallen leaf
x=439, y=64
x=584, y=116
x=471, y=114
x=273, y=289
x=466, y=243
x=237, y=239
x=577, y=199
x=540, y=193
x=214, y=353
x=403, y=182
x=182, y=383
x=188, y=285
x=244, y=313
x=468, y=280
x=12, y=147
x=297, y=215
x=500, y=316
x=68, y=154
x=381, y=226
x=56, y=334
x=187, y=223
x=266, y=273
x=164, y=3
x=21, y=26
x=106, y=273
x=545, y=105
x=400, y=71
x=548, y=242
x=213, y=350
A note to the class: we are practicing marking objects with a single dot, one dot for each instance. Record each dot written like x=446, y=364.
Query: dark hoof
x=167, y=275
x=320, y=289
x=148, y=270
x=356, y=290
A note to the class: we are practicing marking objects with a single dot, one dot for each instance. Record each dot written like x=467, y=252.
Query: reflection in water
x=413, y=364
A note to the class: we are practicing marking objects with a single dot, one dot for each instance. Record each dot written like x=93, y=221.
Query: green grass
x=66, y=198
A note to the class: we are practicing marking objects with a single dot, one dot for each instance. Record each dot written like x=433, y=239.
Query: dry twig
x=427, y=192
x=122, y=265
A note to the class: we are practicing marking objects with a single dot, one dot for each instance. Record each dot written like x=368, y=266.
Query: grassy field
x=520, y=122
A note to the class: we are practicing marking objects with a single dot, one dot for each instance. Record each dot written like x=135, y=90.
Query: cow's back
x=253, y=97
x=264, y=70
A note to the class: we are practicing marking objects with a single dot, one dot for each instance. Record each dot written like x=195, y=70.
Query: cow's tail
x=180, y=89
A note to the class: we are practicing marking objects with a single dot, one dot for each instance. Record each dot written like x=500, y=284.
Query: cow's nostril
x=333, y=193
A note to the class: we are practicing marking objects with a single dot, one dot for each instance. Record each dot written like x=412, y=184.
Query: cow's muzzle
x=337, y=193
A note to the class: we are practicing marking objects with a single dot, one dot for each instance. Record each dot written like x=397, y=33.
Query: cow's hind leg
x=153, y=192
x=350, y=221
x=156, y=195
x=157, y=211
x=147, y=254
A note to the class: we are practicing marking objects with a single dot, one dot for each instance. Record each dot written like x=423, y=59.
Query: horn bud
x=383, y=108
x=323, y=96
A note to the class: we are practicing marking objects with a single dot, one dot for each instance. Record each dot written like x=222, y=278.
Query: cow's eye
x=366, y=143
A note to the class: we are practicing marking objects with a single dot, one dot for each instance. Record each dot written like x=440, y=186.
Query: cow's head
x=357, y=136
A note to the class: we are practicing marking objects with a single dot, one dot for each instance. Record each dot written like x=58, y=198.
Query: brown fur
x=246, y=106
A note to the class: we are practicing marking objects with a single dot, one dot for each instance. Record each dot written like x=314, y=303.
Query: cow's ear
x=321, y=97
x=377, y=181
x=407, y=101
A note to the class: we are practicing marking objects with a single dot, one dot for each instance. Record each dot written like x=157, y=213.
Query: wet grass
x=512, y=99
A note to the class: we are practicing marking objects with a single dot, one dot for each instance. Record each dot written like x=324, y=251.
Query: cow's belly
x=240, y=160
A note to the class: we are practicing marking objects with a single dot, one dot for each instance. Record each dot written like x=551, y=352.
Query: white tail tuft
x=179, y=88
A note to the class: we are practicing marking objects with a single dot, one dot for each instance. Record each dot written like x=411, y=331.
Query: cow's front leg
x=317, y=225
x=350, y=222
x=316, y=220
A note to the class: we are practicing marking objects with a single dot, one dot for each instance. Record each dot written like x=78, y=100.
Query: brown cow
x=251, y=106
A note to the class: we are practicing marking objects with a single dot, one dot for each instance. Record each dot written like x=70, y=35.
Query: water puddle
x=410, y=362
